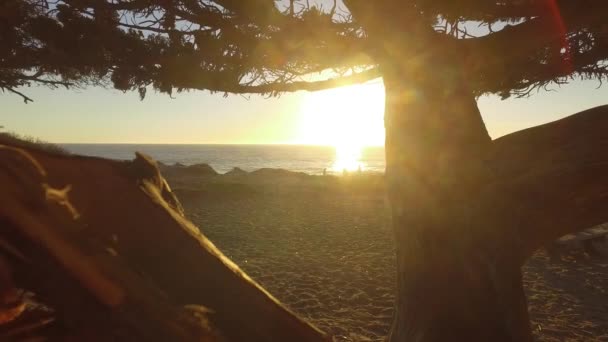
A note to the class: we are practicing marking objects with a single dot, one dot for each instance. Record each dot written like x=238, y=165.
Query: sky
x=333, y=117
x=346, y=116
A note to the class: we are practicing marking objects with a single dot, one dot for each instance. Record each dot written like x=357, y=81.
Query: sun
x=348, y=118
x=348, y=157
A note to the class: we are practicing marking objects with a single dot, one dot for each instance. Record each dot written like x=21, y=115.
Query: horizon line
x=220, y=144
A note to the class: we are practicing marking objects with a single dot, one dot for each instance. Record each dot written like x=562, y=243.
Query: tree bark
x=457, y=276
x=463, y=224
x=112, y=236
x=468, y=212
x=556, y=176
x=457, y=279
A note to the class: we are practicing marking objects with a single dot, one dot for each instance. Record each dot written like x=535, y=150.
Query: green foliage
x=268, y=47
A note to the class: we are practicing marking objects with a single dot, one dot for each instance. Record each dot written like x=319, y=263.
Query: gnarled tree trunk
x=457, y=276
x=468, y=211
x=459, y=266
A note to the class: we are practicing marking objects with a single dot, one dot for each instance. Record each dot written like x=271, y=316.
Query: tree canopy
x=466, y=210
x=269, y=47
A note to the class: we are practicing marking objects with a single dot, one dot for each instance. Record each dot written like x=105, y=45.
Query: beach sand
x=324, y=247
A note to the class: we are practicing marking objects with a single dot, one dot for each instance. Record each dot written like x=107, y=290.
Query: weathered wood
x=555, y=175
x=584, y=239
x=596, y=233
x=84, y=283
x=130, y=235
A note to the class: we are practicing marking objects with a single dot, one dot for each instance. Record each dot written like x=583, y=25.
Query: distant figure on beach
x=359, y=169
x=324, y=171
x=344, y=172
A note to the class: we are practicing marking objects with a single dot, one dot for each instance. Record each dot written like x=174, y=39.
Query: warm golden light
x=348, y=157
x=347, y=118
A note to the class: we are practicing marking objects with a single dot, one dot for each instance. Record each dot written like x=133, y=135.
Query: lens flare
x=560, y=26
x=348, y=158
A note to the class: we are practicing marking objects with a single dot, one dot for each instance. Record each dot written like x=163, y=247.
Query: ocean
x=302, y=158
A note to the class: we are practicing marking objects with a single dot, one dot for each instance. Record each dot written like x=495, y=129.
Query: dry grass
x=17, y=140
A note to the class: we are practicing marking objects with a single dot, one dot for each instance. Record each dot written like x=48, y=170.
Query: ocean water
x=309, y=159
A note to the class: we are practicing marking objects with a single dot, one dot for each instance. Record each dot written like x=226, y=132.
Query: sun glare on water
x=347, y=118
x=348, y=157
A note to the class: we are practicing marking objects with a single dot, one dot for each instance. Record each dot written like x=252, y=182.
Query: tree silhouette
x=467, y=211
x=267, y=46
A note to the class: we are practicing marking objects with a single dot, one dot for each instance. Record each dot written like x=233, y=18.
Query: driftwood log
x=105, y=244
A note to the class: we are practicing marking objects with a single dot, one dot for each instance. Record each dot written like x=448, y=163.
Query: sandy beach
x=324, y=247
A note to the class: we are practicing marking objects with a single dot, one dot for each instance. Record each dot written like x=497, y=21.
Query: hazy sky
x=107, y=116
x=334, y=117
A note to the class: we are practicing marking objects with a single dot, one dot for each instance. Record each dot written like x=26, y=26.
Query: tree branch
x=514, y=57
x=25, y=98
x=541, y=28
x=558, y=175
x=124, y=285
x=494, y=11
x=193, y=81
